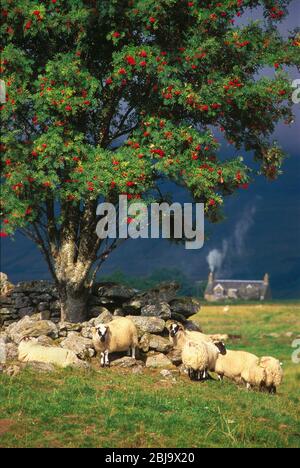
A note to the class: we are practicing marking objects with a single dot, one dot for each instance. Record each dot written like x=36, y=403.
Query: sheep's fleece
x=200, y=357
x=30, y=350
x=273, y=371
x=122, y=335
x=235, y=365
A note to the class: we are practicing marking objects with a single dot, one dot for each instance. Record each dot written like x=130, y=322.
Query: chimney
x=266, y=280
x=211, y=278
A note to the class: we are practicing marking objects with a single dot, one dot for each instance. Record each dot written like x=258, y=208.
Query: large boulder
x=186, y=306
x=21, y=301
x=30, y=327
x=104, y=316
x=162, y=293
x=134, y=306
x=96, y=301
x=161, y=310
x=148, y=324
x=82, y=347
x=175, y=357
x=160, y=344
x=45, y=340
x=155, y=343
x=65, y=328
x=114, y=291
x=192, y=326
x=158, y=361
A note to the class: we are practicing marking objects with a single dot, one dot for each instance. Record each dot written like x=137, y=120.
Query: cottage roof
x=236, y=284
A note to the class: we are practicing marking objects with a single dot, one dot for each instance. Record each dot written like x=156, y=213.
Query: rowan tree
x=110, y=97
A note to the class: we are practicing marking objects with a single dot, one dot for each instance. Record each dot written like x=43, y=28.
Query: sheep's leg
x=248, y=386
x=221, y=378
x=106, y=353
x=133, y=350
x=102, y=362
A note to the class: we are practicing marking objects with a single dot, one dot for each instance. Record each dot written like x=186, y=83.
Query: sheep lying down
x=242, y=367
x=30, y=350
x=117, y=336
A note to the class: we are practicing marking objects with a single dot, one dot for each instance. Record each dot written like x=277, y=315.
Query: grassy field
x=115, y=408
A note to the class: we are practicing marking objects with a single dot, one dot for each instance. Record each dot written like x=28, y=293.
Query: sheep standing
x=194, y=358
x=273, y=373
x=253, y=376
x=117, y=336
x=200, y=357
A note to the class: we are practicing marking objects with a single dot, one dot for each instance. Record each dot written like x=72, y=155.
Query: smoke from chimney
x=216, y=258
x=235, y=246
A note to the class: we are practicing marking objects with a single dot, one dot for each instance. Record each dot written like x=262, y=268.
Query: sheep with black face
x=117, y=336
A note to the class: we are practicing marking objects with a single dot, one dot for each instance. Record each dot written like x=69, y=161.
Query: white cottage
x=220, y=289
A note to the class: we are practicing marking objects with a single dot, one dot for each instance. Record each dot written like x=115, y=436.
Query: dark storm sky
x=262, y=229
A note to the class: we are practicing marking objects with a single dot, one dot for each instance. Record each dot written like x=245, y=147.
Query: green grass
x=114, y=408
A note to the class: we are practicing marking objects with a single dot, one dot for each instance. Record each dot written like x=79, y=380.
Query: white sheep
x=179, y=336
x=273, y=373
x=30, y=350
x=200, y=357
x=239, y=366
x=117, y=336
x=253, y=376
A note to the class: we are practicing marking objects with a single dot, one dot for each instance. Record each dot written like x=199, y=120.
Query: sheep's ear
x=26, y=339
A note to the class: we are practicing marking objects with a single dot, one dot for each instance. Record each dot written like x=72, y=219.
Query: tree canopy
x=109, y=97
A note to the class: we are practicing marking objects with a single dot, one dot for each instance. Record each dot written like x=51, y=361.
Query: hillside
x=116, y=408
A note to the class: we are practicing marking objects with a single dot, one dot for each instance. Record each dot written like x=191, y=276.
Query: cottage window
x=219, y=291
x=233, y=293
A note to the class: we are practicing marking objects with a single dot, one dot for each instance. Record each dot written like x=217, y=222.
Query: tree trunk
x=73, y=253
x=73, y=303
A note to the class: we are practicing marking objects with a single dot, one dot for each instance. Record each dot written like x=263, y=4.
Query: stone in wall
x=32, y=297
